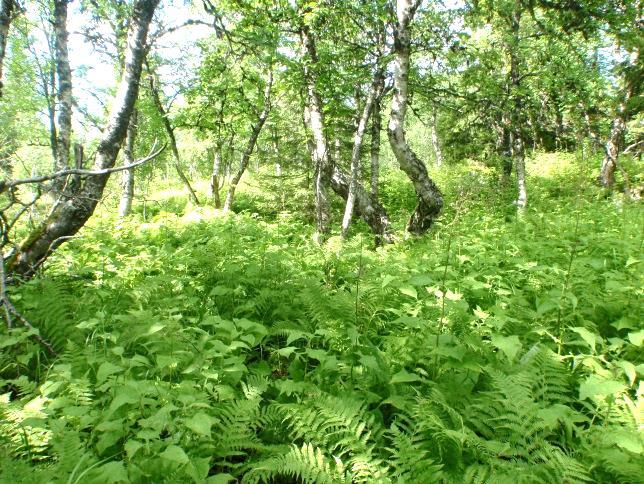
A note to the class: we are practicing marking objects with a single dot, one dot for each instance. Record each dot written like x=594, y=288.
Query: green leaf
x=629, y=441
x=636, y=337
x=131, y=447
x=409, y=291
x=510, y=345
x=288, y=351
x=546, y=306
x=220, y=479
x=629, y=370
x=155, y=328
x=176, y=454
x=114, y=472
x=587, y=336
x=200, y=423
x=596, y=386
x=404, y=376
x=388, y=279
x=106, y=369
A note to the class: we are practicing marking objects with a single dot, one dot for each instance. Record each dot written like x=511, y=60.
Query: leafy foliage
x=195, y=348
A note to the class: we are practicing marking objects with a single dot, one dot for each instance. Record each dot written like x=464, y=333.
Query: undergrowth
x=196, y=348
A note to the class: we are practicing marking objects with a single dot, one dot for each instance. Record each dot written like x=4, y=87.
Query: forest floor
x=195, y=347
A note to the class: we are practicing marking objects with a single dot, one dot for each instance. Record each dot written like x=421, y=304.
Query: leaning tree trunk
x=169, y=129
x=320, y=154
x=64, y=92
x=355, y=154
x=366, y=206
x=127, y=179
x=430, y=199
x=250, y=146
x=6, y=14
x=69, y=216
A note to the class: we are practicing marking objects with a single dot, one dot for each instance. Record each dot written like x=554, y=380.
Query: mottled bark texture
x=376, y=127
x=320, y=154
x=355, y=154
x=326, y=173
x=632, y=81
x=127, y=178
x=169, y=129
x=70, y=214
x=517, y=145
x=6, y=15
x=430, y=198
x=63, y=93
x=436, y=145
x=250, y=145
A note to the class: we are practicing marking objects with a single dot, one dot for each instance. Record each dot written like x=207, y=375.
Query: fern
x=307, y=464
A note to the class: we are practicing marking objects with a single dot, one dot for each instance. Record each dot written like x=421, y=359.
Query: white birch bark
x=71, y=215
x=430, y=199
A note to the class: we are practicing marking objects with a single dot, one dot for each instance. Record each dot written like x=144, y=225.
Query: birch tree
x=430, y=198
x=70, y=214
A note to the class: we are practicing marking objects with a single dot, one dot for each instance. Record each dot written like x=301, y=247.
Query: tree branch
x=6, y=185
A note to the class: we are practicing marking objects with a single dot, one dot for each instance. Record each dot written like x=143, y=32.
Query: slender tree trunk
x=355, y=156
x=631, y=85
x=156, y=97
x=214, y=177
x=6, y=15
x=69, y=216
x=127, y=178
x=366, y=206
x=430, y=199
x=436, y=146
x=376, y=127
x=516, y=137
x=64, y=91
x=321, y=162
x=278, y=171
x=250, y=145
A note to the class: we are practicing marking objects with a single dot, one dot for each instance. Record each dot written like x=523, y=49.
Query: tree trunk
x=517, y=145
x=6, y=14
x=430, y=199
x=366, y=207
x=618, y=129
x=127, y=179
x=612, y=148
x=376, y=127
x=156, y=97
x=69, y=216
x=321, y=162
x=64, y=92
x=436, y=146
x=214, y=177
x=250, y=146
x=355, y=156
